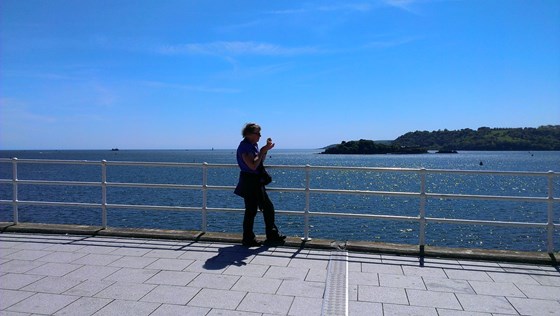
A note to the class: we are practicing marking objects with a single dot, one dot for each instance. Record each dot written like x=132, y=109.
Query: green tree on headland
x=369, y=147
x=485, y=138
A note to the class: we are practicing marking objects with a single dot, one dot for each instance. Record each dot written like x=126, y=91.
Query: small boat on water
x=114, y=149
x=446, y=151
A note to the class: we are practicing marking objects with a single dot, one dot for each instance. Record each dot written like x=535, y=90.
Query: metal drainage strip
x=335, y=301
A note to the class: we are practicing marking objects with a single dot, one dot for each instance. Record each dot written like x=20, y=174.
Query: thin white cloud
x=360, y=7
x=240, y=26
x=411, y=6
x=236, y=48
x=289, y=11
x=391, y=42
x=356, y=6
x=160, y=84
x=14, y=110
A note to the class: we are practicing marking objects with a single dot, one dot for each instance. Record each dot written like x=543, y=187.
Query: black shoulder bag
x=264, y=177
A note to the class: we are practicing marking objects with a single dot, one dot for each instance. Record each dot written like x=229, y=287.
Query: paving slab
x=164, y=253
x=13, y=281
x=401, y=281
x=309, y=263
x=517, y=278
x=467, y=275
x=95, y=248
x=178, y=295
x=168, y=309
x=382, y=268
x=170, y=264
x=221, y=299
x=43, y=303
x=406, y=310
x=127, y=308
x=202, y=266
x=266, y=303
x=131, y=251
x=222, y=312
x=19, y=266
x=126, y=291
x=84, y=306
x=62, y=257
x=257, y=285
x=302, y=288
x=91, y=272
x=527, y=306
x=247, y=270
x=485, y=303
x=424, y=272
x=448, y=285
x=382, y=294
x=496, y=288
x=97, y=259
x=132, y=262
x=54, y=269
x=131, y=275
x=304, y=306
x=11, y=297
x=214, y=281
x=356, y=308
x=286, y=273
x=28, y=254
x=89, y=288
x=47, y=275
x=452, y=312
x=433, y=299
x=315, y=275
x=540, y=291
x=363, y=278
x=271, y=260
x=54, y=285
x=551, y=280
x=179, y=278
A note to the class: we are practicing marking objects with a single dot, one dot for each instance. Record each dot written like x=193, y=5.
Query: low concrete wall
x=359, y=246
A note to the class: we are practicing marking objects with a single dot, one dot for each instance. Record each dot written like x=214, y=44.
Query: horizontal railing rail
x=421, y=194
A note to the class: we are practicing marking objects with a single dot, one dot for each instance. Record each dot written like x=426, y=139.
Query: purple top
x=246, y=147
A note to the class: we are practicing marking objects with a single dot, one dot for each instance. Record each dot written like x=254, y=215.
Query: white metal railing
x=422, y=195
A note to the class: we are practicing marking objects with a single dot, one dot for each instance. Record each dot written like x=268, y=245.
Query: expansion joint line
x=335, y=300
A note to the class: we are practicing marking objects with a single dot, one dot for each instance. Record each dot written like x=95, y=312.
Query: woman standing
x=251, y=186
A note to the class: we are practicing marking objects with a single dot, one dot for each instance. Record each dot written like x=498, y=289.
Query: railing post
x=204, y=196
x=104, y=194
x=550, y=221
x=422, y=217
x=306, y=211
x=15, y=190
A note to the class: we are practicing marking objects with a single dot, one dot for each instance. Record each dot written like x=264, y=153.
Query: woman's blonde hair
x=250, y=128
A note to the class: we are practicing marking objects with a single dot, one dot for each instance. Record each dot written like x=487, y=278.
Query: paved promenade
x=82, y=275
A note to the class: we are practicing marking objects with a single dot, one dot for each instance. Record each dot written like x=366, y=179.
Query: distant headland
x=446, y=141
x=369, y=147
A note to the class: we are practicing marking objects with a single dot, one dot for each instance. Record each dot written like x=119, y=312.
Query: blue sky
x=188, y=74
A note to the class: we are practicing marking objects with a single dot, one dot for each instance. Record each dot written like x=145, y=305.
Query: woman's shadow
x=232, y=255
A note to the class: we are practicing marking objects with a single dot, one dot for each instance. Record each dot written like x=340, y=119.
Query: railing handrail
x=422, y=195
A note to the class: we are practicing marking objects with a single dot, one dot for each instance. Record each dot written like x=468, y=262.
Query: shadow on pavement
x=232, y=255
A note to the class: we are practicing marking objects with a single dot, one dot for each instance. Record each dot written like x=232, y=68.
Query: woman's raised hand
x=269, y=144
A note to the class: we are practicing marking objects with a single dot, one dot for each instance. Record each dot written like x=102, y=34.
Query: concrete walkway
x=81, y=275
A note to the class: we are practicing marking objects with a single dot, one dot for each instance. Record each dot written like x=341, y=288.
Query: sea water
x=451, y=235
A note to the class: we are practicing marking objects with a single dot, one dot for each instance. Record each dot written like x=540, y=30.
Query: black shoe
x=251, y=243
x=276, y=240
x=276, y=237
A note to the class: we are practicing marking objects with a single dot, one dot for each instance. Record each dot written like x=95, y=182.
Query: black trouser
x=258, y=198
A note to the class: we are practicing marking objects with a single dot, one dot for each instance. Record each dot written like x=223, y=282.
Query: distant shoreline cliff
x=369, y=147
x=484, y=138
